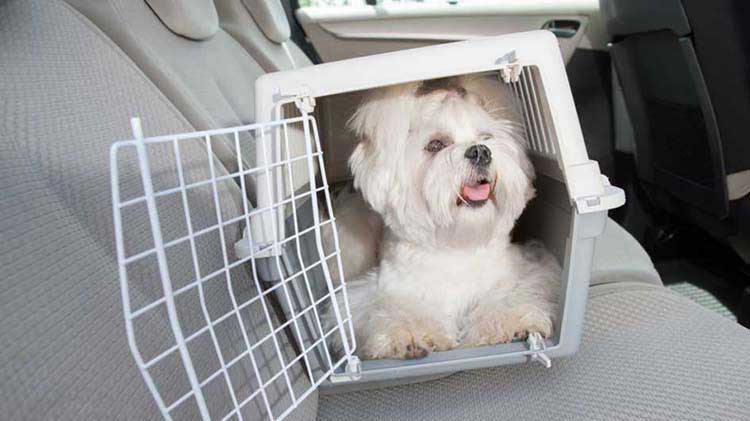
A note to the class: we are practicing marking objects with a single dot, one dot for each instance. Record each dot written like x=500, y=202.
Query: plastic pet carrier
x=231, y=302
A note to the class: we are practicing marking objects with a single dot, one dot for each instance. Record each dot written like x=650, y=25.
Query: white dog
x=444, y=164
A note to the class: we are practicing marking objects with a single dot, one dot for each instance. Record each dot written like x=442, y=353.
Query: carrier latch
x=537, y=347
x=245, y=248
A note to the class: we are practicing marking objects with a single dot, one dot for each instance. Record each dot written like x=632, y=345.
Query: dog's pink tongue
x=476, y=193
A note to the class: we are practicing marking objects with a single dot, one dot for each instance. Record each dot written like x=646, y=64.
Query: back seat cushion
x=68, y=92
x=618, y=257
x=646, y=353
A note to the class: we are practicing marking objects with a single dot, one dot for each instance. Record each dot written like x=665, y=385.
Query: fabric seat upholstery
x=67, y=93
x=646, y=353
x=279, y=53
x=618, y=257
x=210, y=80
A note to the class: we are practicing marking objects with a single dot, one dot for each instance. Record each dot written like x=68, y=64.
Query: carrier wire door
x=226, y=355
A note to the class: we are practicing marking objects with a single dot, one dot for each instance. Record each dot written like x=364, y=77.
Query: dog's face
x=443, y=161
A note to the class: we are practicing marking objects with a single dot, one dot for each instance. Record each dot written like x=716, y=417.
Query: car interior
x=663, y=97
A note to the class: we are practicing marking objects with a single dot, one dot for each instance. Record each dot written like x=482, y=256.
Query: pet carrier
x=282, y=284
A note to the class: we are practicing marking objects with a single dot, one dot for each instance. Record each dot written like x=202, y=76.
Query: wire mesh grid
x=206, y=327
x=530, y=93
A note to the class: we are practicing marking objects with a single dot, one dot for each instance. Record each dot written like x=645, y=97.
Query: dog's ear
x=516, y=182
x=381, y=124
x=383, y=113
x=371, y=180
x=494, y=96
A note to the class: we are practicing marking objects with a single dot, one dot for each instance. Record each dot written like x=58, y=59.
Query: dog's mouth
x=475, y=193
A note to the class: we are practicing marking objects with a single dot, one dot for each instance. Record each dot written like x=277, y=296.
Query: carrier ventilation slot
x=200, y=318
x=540, y=133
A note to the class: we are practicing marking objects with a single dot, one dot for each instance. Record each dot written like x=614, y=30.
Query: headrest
x=270, y=17
x=194, y=19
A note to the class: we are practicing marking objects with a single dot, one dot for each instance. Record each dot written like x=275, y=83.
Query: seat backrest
x=201, y=68
x=721, y=38
x=67, y=92
x=682, y=100
x=263, y=29
x=198, y=66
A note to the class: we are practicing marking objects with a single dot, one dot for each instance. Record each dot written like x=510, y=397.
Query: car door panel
x=344, y=32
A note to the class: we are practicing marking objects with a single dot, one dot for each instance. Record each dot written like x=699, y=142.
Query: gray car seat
x=646, y=353
x=68, y=92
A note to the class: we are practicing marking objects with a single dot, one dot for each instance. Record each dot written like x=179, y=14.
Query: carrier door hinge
x=352, y=371
x=354, y=367
x=305, y=103
x=511, y=72
x=510, y=69
x=537, y=347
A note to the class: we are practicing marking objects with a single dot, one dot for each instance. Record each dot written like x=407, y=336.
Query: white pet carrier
x=282, y=246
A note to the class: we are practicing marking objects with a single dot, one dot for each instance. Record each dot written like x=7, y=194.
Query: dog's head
x=443, y=161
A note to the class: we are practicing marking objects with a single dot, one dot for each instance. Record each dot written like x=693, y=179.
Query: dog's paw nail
x=418, y=352
x=414, y=351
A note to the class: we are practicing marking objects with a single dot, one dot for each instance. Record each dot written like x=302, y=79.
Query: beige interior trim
x=343, y=39
x=413, y=9
x=431, y=28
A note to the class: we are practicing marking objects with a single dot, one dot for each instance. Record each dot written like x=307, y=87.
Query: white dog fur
x=448, y=274
x=360, y=231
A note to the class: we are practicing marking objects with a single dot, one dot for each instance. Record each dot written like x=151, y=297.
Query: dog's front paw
x=499, y=326
x=533, y=320
x=405, y=342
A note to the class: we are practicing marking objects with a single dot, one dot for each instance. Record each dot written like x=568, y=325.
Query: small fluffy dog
x=443, y=162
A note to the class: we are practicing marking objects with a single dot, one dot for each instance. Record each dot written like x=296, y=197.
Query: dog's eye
x=485, y=136
x=436, y=145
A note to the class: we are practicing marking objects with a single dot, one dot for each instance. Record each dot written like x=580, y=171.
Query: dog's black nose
x=479, y=155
